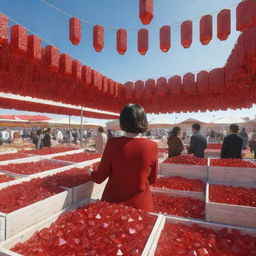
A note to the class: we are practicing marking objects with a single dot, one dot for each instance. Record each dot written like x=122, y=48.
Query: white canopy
x=229, y=120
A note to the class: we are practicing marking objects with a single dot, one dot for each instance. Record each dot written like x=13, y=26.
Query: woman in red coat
x=130, y=163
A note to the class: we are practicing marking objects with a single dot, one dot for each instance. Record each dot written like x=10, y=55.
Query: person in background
x=110, y=134
x=39, y=139
x=130, y=163
x=245, y=137
x=17, y=138
x=59, y=136
x=47, y=138
x=252, y=142
x=233, y=144
x=101, y=140
x=175, y=145
x=198, y=142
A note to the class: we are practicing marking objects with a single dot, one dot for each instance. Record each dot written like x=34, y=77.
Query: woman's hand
x=89, y=170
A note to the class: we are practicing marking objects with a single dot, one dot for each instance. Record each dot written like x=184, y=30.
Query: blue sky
x=113, y=14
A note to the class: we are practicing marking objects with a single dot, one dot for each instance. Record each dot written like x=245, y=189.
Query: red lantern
x=87, y=75
x=19, y=40
x=121, y=41
x=174, y=85
x=129, y=89
x=161, y=87
x=206, y=29
x=34, y=47
x=202, y=81
x=75, y=30
x=189, y=84
x=98, y=38
x=146, y=11
x=217, y=80
x=139, y=89
x=243, y=16
x=150, y=89
x=186, y=33
x=51, y=57
x=3, y=29
x=224, y=24
x=143, y=41
x=76, y=69
x=165, y=38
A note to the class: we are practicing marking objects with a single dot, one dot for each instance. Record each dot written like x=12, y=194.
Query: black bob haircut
x=234, y=128
x=133, y=119
x=196, y=126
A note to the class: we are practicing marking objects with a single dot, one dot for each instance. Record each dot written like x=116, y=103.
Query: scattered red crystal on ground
x=232, y=195
x=182, y=240
x=180, y=206
x=18, y=196
x=12, y=156
x=5, y=178
x=31, y=167
x=214, y=145
x=99, y=229
x=232, y=163
x=81, y=157
x=186, y=159
x=47, y=151
x=180, y=183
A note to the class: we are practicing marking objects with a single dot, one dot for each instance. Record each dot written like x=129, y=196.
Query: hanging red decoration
x=186, y=33
x=75, y=28
x=150, y=89
x=217, y=80
x=121, y=41
x=3, y=29
x=189, y=84
x=111, y=85
x=243, y=17
x=94, y=78
x=76, y=70
x=51, y=57
x=161, y=87
x=202, y=81
x=98, y=38
x=139, y=89
x=146, y=11
x=174, y=85
x=224, y=24
x=99, y=82
x=129, y=89
x=34, y=47
x=65, y=64
x=143, y=41
x=105, y=84
x=252, y=4
x=87, y=75
x=19, y=40
x=206, y=29
x=165, y=38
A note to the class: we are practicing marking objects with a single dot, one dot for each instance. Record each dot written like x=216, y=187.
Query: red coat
x=131, y=164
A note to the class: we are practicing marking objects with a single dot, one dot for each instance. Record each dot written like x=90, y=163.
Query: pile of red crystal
x=99, y=229
x=232, y=163
x=12, y=156
x=48, y=151
x=182, y=240
x=5, y=178
x=186, y=160
x=232, y=195
x=81, y=157
x=179, y=206
x=180, y=183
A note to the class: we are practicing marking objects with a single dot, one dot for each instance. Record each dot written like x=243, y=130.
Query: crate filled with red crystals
x=184, y=237
x=78, y=158
x=231, y=204
x=194, y=188
x=12, y=157
x=95, y=229
x=187, y=166
x=232, y=171
x=24, y=204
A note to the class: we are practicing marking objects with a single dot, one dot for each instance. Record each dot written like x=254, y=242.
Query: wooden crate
x=16, y=221
x=187, y=171
x=236, y=215
x=26, y=234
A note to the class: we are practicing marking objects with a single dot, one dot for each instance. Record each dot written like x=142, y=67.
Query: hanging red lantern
x=206, y=29
x=146, y=11
x=129, y=89
x=65, y=64
x=165, y=38
x=143, y=41
x=75, y=28
x=87, y=75
x=217, y=80
x=224, y=24
x=243, y=16
x=121, y=41
x=98, y=38
x=161, y=87
x=150, y=89
x=139, y=89
x=202, y=82
x=51, y=57
x=3, y=29
x=34, y=48
x=76, y=70
x=19, y=40
x=189, y=84
x=186, y=33
x=174, y=85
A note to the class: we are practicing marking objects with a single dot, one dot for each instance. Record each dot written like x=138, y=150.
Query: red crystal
x=47, y=151
x=81, y=157
x=186, y=160
x=12, y=156
x=5, y=178
x=232, y=163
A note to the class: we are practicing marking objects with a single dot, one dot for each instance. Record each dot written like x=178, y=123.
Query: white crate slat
x=237, y=215
x=71, y=152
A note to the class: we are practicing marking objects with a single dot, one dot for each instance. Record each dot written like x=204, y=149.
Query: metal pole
x=81, y=131
x=69, y=127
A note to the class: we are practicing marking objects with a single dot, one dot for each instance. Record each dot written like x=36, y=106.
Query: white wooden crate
x=237, y=215
x=187, y=171
x=26, y=234
x=189, y=222
x=25, y=217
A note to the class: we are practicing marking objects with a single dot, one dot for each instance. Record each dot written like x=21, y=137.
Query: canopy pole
x=69, y=128
x=81, y=130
